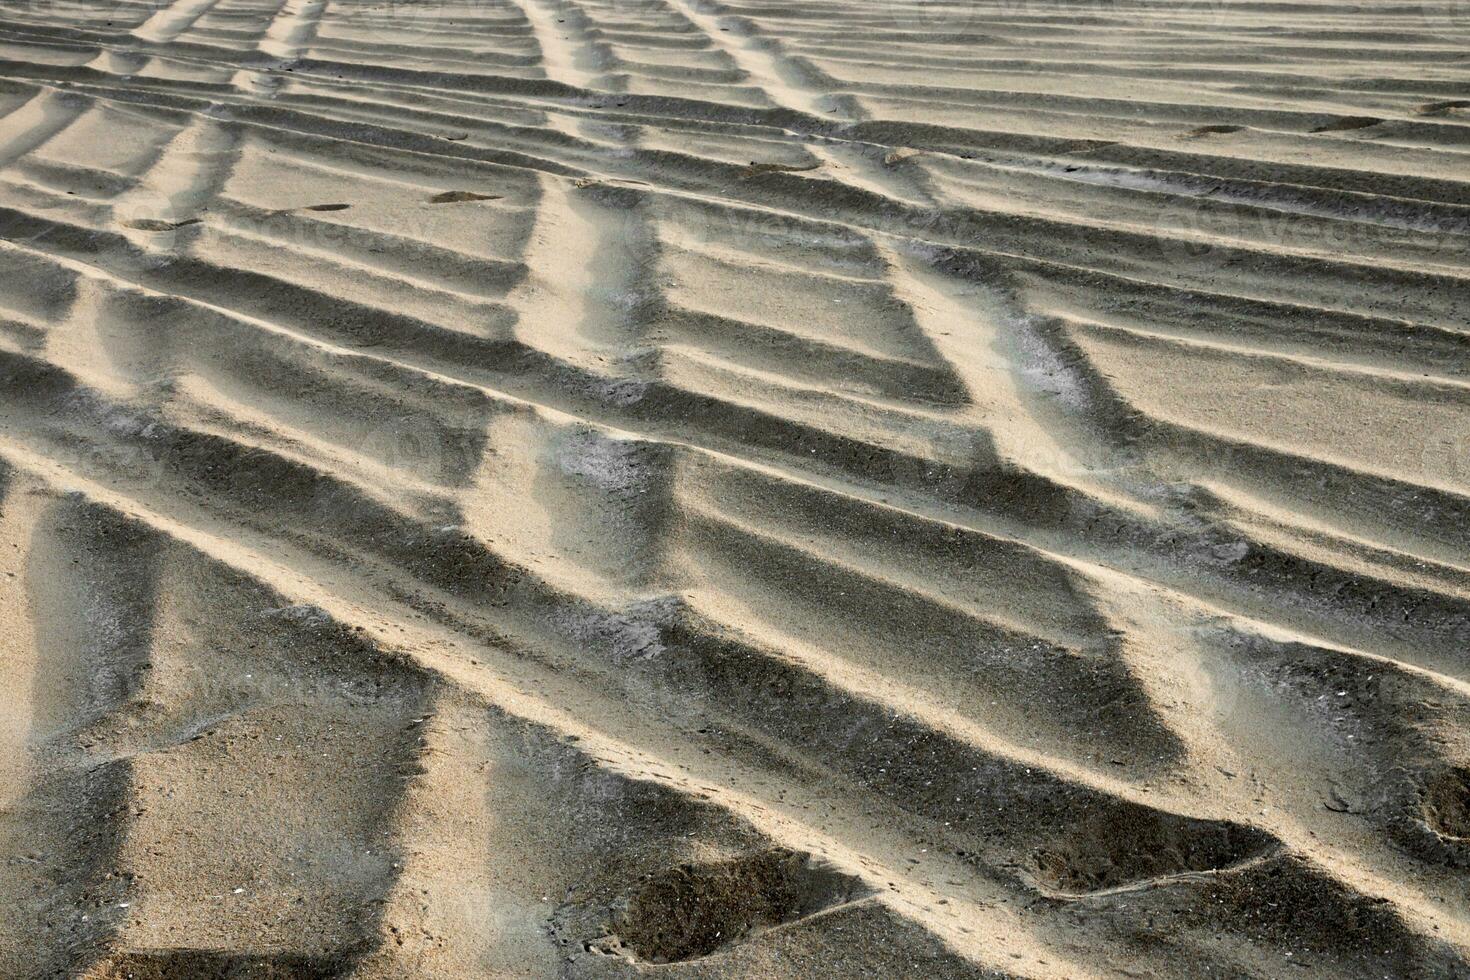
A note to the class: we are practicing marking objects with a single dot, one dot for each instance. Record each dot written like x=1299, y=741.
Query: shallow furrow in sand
x=1170, y=255
x=957, y=479
x=874, y=777
x=611, y=392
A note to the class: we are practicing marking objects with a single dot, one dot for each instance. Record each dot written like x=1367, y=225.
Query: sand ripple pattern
x=588, y=487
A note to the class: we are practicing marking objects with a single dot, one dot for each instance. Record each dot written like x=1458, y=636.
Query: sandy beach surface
x=735, y=488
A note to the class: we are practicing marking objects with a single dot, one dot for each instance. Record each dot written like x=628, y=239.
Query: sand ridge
x=603, y=487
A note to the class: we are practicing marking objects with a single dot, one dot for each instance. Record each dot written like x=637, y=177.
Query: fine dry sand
x=735, y=488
